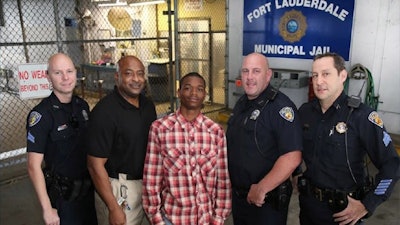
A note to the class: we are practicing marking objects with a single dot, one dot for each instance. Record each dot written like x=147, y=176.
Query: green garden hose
x=360, y=72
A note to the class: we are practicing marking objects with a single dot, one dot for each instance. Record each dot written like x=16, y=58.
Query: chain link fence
x=95, y=36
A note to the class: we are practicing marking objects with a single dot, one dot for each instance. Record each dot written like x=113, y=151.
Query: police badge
x=341, y=127
x=255, y=114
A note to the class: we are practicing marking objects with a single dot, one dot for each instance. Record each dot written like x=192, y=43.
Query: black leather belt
x=336, y=199
x=242, y=192
x=115, y=175
x=326, y=194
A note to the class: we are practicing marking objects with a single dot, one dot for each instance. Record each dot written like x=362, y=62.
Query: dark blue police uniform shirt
x=258, y=133
x=57, y=130
x=325, y=148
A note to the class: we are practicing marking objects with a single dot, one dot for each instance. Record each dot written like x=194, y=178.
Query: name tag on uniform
x=62, y=127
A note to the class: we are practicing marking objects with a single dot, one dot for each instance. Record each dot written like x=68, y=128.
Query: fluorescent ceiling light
x=146, y=2
x=117, y=3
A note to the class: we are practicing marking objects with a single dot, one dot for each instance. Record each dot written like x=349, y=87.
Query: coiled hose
x=359, y=72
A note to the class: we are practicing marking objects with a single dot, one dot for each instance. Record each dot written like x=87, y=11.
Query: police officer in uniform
x=55, y=131
x=264, y=147
x=338, y=132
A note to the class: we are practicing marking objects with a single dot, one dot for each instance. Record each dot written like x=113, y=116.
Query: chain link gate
x=203, y=50
x=95, y=36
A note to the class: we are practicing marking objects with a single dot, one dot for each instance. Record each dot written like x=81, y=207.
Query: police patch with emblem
x=34, y=118
x=292, y=26
x=287, y=113
x=375, y=119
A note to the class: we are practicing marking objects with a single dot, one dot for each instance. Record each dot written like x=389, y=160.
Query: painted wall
x=375, y=44
x=214, y=8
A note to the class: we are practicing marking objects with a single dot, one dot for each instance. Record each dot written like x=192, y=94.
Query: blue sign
x=297, y=28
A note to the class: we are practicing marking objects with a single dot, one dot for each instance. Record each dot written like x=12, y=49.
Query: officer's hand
x=51, y=217
x=117, y=216
x=354, y=211
x=256, y=195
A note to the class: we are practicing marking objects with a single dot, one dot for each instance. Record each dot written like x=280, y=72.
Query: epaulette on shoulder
x=271, y=93
x=242, y=98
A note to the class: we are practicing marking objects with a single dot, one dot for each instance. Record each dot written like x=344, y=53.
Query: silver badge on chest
x=255, y=114
x=341, y=127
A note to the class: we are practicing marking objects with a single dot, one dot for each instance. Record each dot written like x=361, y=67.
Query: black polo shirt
x=119, y=131
x=259, y=131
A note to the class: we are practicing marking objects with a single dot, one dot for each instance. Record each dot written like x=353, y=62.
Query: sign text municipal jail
x=297, y=28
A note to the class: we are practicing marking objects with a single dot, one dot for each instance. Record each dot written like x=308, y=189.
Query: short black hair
x=191, y=74
x=337, y=60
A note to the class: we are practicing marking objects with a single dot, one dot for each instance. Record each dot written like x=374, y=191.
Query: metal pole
x=57, y=21
x=177, y=50
x=171, y=80
x=210, y=66
x=21, y=20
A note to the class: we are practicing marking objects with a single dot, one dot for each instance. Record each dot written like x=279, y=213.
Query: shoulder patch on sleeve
x=375, y=119
x=287, y=113
x=34, y=118
x=30, y=137
x=386, y=138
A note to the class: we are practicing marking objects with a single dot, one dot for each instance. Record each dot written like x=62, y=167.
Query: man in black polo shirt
x=117, y=142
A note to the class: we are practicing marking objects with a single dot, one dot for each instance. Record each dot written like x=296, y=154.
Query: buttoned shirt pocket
x=249, y=125
x=308, y=142
x=335, y=141
x=63, y=132
x=207, y=160
x=335, y=149
x=174, y=160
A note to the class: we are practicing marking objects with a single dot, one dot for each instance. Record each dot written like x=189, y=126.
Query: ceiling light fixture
x=117, y=3
x=145, y=2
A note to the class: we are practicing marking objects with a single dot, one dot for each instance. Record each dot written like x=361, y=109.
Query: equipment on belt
x=68, y=189
x=278, y=198
x=336, y=199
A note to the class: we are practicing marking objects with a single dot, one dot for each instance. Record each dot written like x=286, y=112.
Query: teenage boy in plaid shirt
x=186, y=179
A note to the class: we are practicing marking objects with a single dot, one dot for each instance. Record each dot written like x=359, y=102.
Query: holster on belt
x=66, y=188
x=278, y=198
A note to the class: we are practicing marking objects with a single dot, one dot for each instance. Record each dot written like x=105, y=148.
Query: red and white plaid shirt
x=186, y=172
